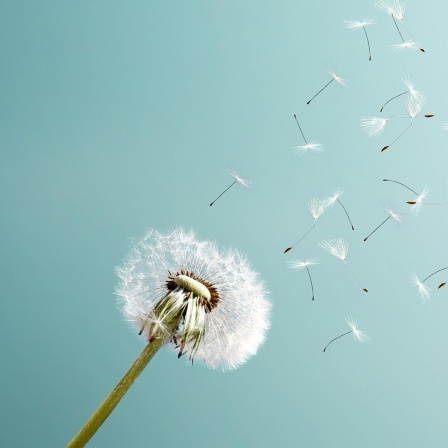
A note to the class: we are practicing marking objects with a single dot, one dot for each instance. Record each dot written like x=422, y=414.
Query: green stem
x=108, y=405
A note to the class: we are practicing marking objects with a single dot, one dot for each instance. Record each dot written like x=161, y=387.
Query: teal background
x=117, y=117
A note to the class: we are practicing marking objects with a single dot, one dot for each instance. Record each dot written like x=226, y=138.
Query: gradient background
x=117, y=117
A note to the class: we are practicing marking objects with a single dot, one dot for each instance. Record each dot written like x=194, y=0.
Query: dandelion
x=396, y=9
x=334, y=77
x=238, y=179
x=298, y=265
x=410, y=44
x=392, y=215
x=317, y=207
x=358, y=334
x=339, y=248
x=312, y=146
x=335, y=198
x=185, y=293
x=415, y=94
x=373, y=126
x=356, y=25
x=418, y=201
x=423, y=290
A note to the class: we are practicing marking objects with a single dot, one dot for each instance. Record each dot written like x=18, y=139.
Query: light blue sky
x=117, y=117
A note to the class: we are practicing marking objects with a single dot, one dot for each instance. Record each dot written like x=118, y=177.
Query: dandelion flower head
x=218, y=303
x=356, y=25
x=341, y=81
x=423, y=290
x=337, y=247
x=358, y=334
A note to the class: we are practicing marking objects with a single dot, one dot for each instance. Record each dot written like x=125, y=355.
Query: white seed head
x=336, y=194
x=373, y=126
x=317, y=207
x=243, y=182
x=411, y=44
x=341, y=81
x=416, y=208
x=423, y=290
x=313, y=147
x=356, y=25
x=395, y=8
x=220, y=304
x=299, y=264
x=358, y=334
x=337, y=247
x=393, y=215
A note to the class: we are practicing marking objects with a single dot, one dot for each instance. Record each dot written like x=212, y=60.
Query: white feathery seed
x=299, y=264
x=225, y=336
x=416, y=208
x=408, y=44
x=393, y=215
x=395, y=8
x=336, y=195
x=358, y=334
x=341, y=81
x=317, y=207
x=373, y=126
x=336, y=247
x=356, y=24
x=312, y=146
x=243, y=182
x=423, y=290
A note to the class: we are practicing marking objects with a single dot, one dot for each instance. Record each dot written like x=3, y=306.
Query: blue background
x=117, y=117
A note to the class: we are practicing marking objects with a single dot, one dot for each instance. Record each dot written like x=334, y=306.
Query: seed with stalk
x=358, y=334
x=316, y=207
x=334, y=77
x=396, y=9
x=423, y=290
x=410, y=89
x=339, y=248
x=312, y=146
x=418, y=201
x=185, y=293
x=335, y=198
x=239, y=180
x=298, y=265
x=356, y=25
x=392, y=215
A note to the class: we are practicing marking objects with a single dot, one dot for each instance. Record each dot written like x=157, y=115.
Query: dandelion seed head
x=341, y=81
x=299, y=264
x=243, y=182
x=411, y=44
x=393, y=215
x=336, y=247
x=395, y=8
x=356, y=25
x=336, y=195
x=416, y=208
x=313, y=147
x=373, y=126
x=423, y=290
x=317, y=207
x=220, y=305
x=358, y=334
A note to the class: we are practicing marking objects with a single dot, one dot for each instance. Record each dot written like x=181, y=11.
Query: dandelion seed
x=334, y=77
x=423, y=290
x=209, y=303
x=298, y=265
x=239, y=180
x=373, y=126
x=396, y=9
x=317, y=207
x=335, y=198
x=392, y=215
x=312, y=146
x=339, y=248
x=356, y=25
x=415, y=94
x=358, y=334
x=409, y=44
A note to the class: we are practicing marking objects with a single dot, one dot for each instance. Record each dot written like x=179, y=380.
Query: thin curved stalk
x=337, y=337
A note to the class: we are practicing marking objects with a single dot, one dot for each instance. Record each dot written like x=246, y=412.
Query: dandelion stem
x=324, y=87
x=398, y=29
x=354, y=276
x=396, y=96
x=388, y=146
x=109, y=404
x=365, y=239
x=224, y=192
x=399, y=183
x=346, y=213
x=311, y=281
x=300, y=129
x=443, y=269
x=337, y=337
x=368, y=43
x=297, y=242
